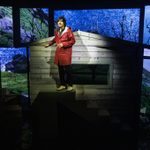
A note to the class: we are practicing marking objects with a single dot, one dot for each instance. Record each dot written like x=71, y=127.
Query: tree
x=18, y=64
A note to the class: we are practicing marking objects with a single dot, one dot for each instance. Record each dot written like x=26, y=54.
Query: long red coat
x=63, y=55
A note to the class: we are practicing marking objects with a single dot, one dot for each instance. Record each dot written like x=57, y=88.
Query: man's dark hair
x=63, y=19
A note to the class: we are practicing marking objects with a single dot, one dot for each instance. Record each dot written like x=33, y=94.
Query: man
x=64, y=40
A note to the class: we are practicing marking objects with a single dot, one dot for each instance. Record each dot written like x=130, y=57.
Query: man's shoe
x=69, y=88
x=62, y=87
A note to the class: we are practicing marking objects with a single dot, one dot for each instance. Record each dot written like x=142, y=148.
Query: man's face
x=60, y=23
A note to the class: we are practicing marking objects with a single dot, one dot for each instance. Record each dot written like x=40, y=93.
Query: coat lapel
x=65, y=30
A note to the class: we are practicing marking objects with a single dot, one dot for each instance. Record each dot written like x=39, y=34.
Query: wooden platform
x=61, y=122
x=49, y=114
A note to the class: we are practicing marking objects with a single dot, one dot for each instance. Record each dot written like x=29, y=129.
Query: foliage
x=6, y=26
x=34, y=24
x=6, y=39
x=117, y=23
x=18, y=64
x=8, y=54
x=6, y=11
x=146, y=39
x=15, y=82
x=17, y=59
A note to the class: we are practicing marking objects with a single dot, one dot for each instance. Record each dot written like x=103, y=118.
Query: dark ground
x=52, y=124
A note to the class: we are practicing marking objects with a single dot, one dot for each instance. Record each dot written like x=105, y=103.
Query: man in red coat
x=64, y=40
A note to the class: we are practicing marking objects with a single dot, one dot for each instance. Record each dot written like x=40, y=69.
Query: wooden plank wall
x=92, y=49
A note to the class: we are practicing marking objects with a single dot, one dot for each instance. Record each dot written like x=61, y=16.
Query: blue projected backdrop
x=33, y=24
x=116, y=23
x=6, y=27
x=146, y=39
x=14, y=69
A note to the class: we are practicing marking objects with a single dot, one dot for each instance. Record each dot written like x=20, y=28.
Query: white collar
x=65, y=30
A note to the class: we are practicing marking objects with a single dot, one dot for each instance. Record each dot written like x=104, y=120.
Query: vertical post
x=51, y=22
x=16, y=26
x=139, y=75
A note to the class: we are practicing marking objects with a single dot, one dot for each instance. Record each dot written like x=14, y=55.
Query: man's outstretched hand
x=60, y=45
x=47, y=45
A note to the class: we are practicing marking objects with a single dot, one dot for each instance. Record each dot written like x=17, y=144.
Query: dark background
x=75, y=4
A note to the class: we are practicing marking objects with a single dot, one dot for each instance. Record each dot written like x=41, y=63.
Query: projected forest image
x=33, y=24
x=6, y=27
x=145, y=99
x=117, y=23
x=146, y=39
x=14, y=69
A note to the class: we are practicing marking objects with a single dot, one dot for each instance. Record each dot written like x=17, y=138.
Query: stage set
x=110, y=92
x=102, y=103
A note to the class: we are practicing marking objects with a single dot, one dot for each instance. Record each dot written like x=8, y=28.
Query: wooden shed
x=104, y=71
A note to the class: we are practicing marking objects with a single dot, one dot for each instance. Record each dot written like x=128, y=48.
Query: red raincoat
x=63, y=55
